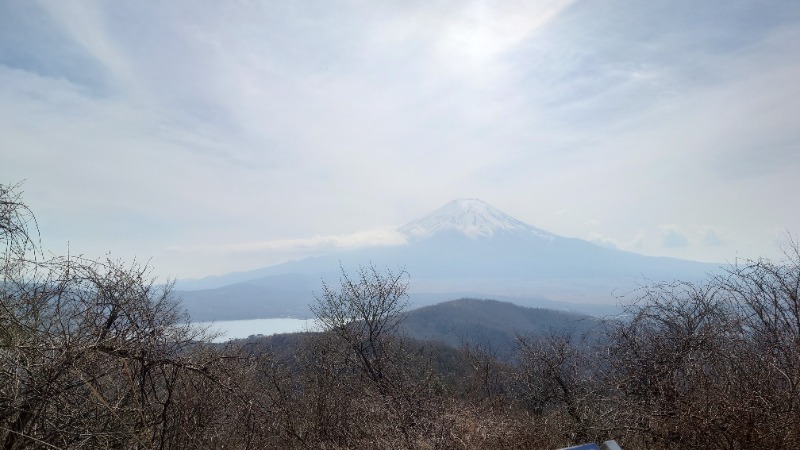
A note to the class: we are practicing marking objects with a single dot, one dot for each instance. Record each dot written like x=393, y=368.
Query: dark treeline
x=94, y=355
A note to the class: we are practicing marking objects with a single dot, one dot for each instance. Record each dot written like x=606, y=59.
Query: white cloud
x=710, y=235
x=383, y=236
x=636, y=243
x=672, y=236
x=604, y=241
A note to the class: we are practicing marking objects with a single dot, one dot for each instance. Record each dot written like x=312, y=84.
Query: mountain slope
x=465, y=247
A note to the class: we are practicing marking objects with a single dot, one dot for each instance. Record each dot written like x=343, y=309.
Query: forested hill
x=491, y=323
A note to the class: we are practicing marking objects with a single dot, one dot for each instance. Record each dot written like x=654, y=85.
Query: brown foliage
x=94, y=354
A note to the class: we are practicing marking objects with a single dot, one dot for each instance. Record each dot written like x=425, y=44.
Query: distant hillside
x=491, y=323
x=277, y=296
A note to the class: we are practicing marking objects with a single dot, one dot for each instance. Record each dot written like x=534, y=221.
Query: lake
x=239, y=329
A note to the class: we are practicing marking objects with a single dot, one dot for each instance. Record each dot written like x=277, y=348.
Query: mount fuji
x=466, y=248
x=471, y=217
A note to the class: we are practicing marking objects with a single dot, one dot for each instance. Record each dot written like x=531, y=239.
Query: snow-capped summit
x=471, y=217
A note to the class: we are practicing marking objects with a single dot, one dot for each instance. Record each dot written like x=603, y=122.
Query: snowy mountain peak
x=471, y=217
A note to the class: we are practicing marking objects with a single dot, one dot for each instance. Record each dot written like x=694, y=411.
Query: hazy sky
x=213, y=136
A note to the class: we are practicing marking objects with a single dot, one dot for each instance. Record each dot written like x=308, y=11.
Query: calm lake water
x=237, y=329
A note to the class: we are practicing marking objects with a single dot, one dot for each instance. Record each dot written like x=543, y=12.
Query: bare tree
x=713, y=365
x=364, y=313
x=487, y=379
x=15, y=222
x=766, y=296
x=361, y=361
x=95, y=354
x=559, y=374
